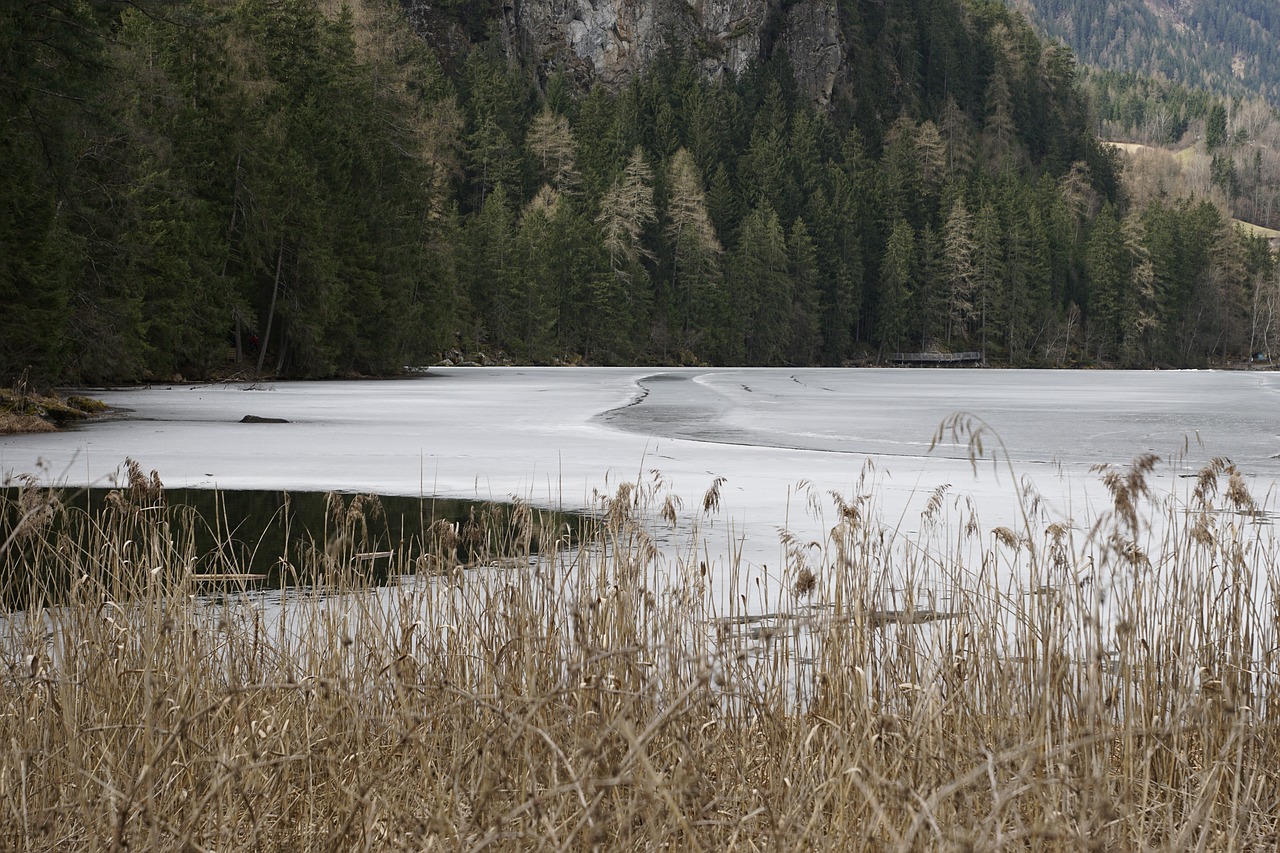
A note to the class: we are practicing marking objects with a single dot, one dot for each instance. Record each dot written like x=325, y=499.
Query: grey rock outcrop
x=811, y=37
x=610, y=41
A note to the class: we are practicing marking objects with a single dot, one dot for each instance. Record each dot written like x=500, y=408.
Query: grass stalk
x=1108, y=683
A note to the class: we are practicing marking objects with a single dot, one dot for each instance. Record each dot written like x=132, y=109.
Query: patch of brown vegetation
x=565, y=695
x=15, y=424
x=25, y=411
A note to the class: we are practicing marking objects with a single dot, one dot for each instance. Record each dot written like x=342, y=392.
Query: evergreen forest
x=1230, y=47
x=309, y=189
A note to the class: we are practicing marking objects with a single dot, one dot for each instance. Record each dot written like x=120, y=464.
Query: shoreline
x=24, y=412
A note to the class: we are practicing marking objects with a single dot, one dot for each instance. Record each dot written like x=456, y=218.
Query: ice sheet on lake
x=554, y=435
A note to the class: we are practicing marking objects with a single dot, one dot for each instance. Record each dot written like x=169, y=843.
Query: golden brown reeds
x=1072, y=687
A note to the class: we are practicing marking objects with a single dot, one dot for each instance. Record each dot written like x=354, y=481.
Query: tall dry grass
x=1103, y=685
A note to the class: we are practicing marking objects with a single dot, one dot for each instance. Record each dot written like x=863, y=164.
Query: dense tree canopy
x=186, y=178
x=1231, y=47
x=222, y=185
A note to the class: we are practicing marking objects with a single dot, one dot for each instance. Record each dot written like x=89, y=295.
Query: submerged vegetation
x=1107, y=683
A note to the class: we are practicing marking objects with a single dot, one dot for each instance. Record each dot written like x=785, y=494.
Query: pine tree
x=765, y=169
x=901, y=170
x=1109, y=284
x=552, y=145
x=53, y=56
x=625, y=212
x=1215, y=127
x=897, y=283
x=988, y=269
x=760, y=290
x=960, y=274
x=708, y=114
x=999, y=133
x=840, y=266
x=535, y=295
x=695, y=248
x=930, y=294
x=805, y=334
x=492, y=157
x=487, y=263
x=1019, y=308
x=1226, y=295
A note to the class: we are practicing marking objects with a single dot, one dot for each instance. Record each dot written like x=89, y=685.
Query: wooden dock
x=936, y=357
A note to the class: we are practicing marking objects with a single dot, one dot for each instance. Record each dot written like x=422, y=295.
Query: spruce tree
x=695, y=251
x=897, y=283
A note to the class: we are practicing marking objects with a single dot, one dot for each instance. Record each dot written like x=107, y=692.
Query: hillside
x=1226, y=150
x=309, y=188
x=1153, y=171
x=1231, y=47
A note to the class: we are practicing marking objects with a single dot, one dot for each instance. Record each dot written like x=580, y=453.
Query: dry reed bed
x=1120, y=695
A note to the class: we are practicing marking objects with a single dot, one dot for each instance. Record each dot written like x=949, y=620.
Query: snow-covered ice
x=552, y=436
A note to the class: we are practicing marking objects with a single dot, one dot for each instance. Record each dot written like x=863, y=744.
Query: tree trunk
x=271, y=312
x=231, y=230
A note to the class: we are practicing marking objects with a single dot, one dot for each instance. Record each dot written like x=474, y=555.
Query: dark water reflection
x=267, y=538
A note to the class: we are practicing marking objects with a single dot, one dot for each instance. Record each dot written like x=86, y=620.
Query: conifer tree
x=1215, y=127
x=761, y=289
x=957, y=135
x=1145, y=320
x=840, y=265
x=930, y=295
x=488, y=262
x=53, y=54
x=931, y=152
x=960, y=274
x=695, y=248
x=901, y=169
x=988, y=268
x=999, y=133
x=1109, y=284
x=625, y=212
x=552, y=144
x=708, y=117
x=897, y=283
x=1019, y=300
x=535, y=298
x=805, y=334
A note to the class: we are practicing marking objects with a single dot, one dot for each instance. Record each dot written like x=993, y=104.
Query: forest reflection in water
x=258, y=538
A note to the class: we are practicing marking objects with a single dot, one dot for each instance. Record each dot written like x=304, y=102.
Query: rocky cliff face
x=611, y=40
x=811, y=36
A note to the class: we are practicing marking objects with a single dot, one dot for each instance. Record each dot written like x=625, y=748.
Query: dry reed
x=1057, y=687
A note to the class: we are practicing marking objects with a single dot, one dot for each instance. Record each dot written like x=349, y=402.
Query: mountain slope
x=306, y=188
x=1228, y=46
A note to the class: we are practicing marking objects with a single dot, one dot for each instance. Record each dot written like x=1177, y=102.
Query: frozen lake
x=553, y=436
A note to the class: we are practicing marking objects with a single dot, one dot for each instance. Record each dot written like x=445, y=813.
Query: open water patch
x=678, y=405
x=674, y=405
x=264, y=539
